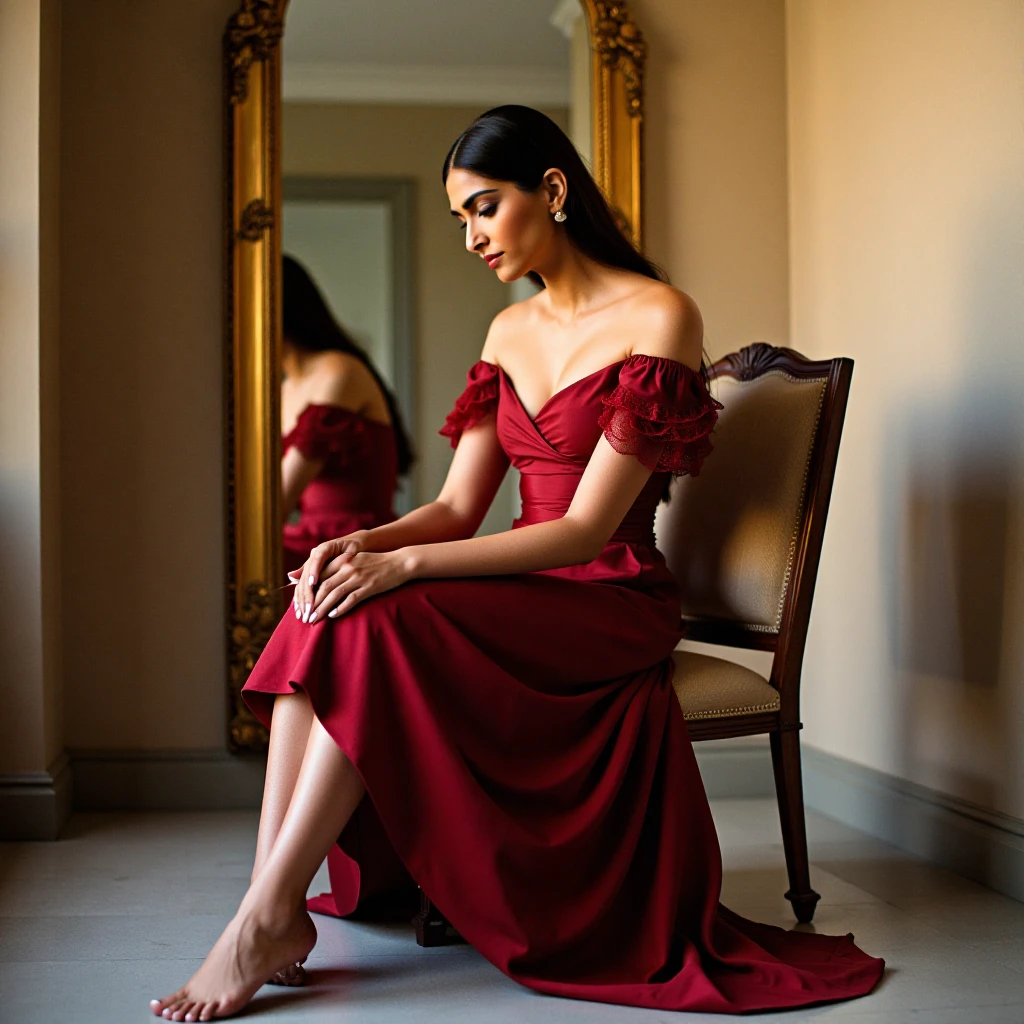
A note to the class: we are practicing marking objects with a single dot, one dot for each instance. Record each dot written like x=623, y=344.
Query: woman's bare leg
x=272, y=928
x=289, y=734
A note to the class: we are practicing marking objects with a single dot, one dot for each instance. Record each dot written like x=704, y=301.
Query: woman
x=342, y=438
x=505, y=702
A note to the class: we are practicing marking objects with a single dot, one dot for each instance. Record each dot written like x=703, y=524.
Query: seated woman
x=342, y=438
x=505, y=702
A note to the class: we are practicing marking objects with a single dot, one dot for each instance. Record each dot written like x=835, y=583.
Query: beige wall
x=141, y=373
x=715, y=199
x=907, y=227
x=30, y=723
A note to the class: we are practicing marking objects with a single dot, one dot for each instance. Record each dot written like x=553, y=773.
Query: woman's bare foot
x=254, y=945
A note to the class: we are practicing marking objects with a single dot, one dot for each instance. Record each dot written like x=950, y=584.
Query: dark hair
x=310, y=325
x=518, y=144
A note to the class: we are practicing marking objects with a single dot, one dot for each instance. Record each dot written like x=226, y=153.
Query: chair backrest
x=744, y=537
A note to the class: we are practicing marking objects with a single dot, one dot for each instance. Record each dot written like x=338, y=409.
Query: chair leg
x=789, y=788
x=432, y=928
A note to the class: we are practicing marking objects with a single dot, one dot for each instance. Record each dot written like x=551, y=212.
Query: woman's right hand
x=324, y=561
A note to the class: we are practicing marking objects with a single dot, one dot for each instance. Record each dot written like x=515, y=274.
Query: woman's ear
x=556, y=189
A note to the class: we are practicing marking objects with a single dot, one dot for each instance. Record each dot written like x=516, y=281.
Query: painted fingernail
x=311, y=580
x=333, y=614
x=305, y=616
x=298, y=614
x=312, y=618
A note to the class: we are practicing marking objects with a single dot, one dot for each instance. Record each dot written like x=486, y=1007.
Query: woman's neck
x=574, y=284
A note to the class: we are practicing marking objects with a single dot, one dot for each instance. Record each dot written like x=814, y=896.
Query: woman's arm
x=297, y=470
x=609, y=486
x=473, y=479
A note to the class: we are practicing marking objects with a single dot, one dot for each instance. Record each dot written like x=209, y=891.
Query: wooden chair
x=744, y=539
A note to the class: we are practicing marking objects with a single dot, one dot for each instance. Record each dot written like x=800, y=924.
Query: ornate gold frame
x=252, y=91
x=619, y=55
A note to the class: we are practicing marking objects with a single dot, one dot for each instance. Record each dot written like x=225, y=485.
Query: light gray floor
x=125, y=906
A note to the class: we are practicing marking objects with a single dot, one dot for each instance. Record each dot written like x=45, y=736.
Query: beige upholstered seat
x=709, y=687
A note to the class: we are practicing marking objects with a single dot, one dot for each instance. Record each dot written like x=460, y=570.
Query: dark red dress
x=355, y=488
x=520, y=740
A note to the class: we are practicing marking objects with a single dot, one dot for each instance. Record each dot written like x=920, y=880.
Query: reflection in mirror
x=375, y=91
x=345, y=393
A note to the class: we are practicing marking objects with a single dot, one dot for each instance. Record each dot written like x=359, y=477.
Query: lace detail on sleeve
x=476, y=403
x=660, y=412
x=328, y=432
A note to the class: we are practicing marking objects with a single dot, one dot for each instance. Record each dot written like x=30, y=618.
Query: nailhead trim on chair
x=731, y=712
x=823, y=382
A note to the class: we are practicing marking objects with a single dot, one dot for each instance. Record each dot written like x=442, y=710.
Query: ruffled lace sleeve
x=476, y=403
x=328, y=432
x=661, y=412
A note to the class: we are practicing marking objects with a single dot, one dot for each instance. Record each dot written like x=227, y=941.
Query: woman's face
x=512, y=230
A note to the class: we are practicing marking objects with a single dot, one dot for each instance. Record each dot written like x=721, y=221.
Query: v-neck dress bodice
x=656, y=409
x=525, y=758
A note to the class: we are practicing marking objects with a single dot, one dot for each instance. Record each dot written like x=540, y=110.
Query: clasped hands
x=340, y=573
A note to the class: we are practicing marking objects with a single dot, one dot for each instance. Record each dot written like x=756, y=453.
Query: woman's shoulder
x=666, y=322
x=339, y=378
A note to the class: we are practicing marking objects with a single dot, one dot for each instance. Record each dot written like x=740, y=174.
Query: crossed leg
x=271, y=929
x=289, y=734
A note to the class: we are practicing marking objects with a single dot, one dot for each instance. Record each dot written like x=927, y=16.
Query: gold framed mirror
x=611, y=82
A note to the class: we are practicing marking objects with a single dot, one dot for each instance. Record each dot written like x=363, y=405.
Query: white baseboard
x=982, y=845
x=35, y=805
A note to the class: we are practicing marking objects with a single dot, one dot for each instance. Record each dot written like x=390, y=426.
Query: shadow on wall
x=951, y=543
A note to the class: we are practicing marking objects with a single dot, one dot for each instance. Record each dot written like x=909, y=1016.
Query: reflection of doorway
x=355, y=237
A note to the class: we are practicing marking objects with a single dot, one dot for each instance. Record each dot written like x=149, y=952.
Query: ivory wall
x=715, y=198
x=906, y=197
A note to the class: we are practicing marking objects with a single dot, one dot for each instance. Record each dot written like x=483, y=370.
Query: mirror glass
x=375, y=92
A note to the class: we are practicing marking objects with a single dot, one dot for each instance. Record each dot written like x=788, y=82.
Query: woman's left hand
x=361, y=576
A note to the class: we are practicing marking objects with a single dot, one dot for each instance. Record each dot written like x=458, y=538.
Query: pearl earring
x=560, y=215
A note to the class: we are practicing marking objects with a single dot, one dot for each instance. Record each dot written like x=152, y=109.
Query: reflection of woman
x=342, y=438
x=505, y=701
